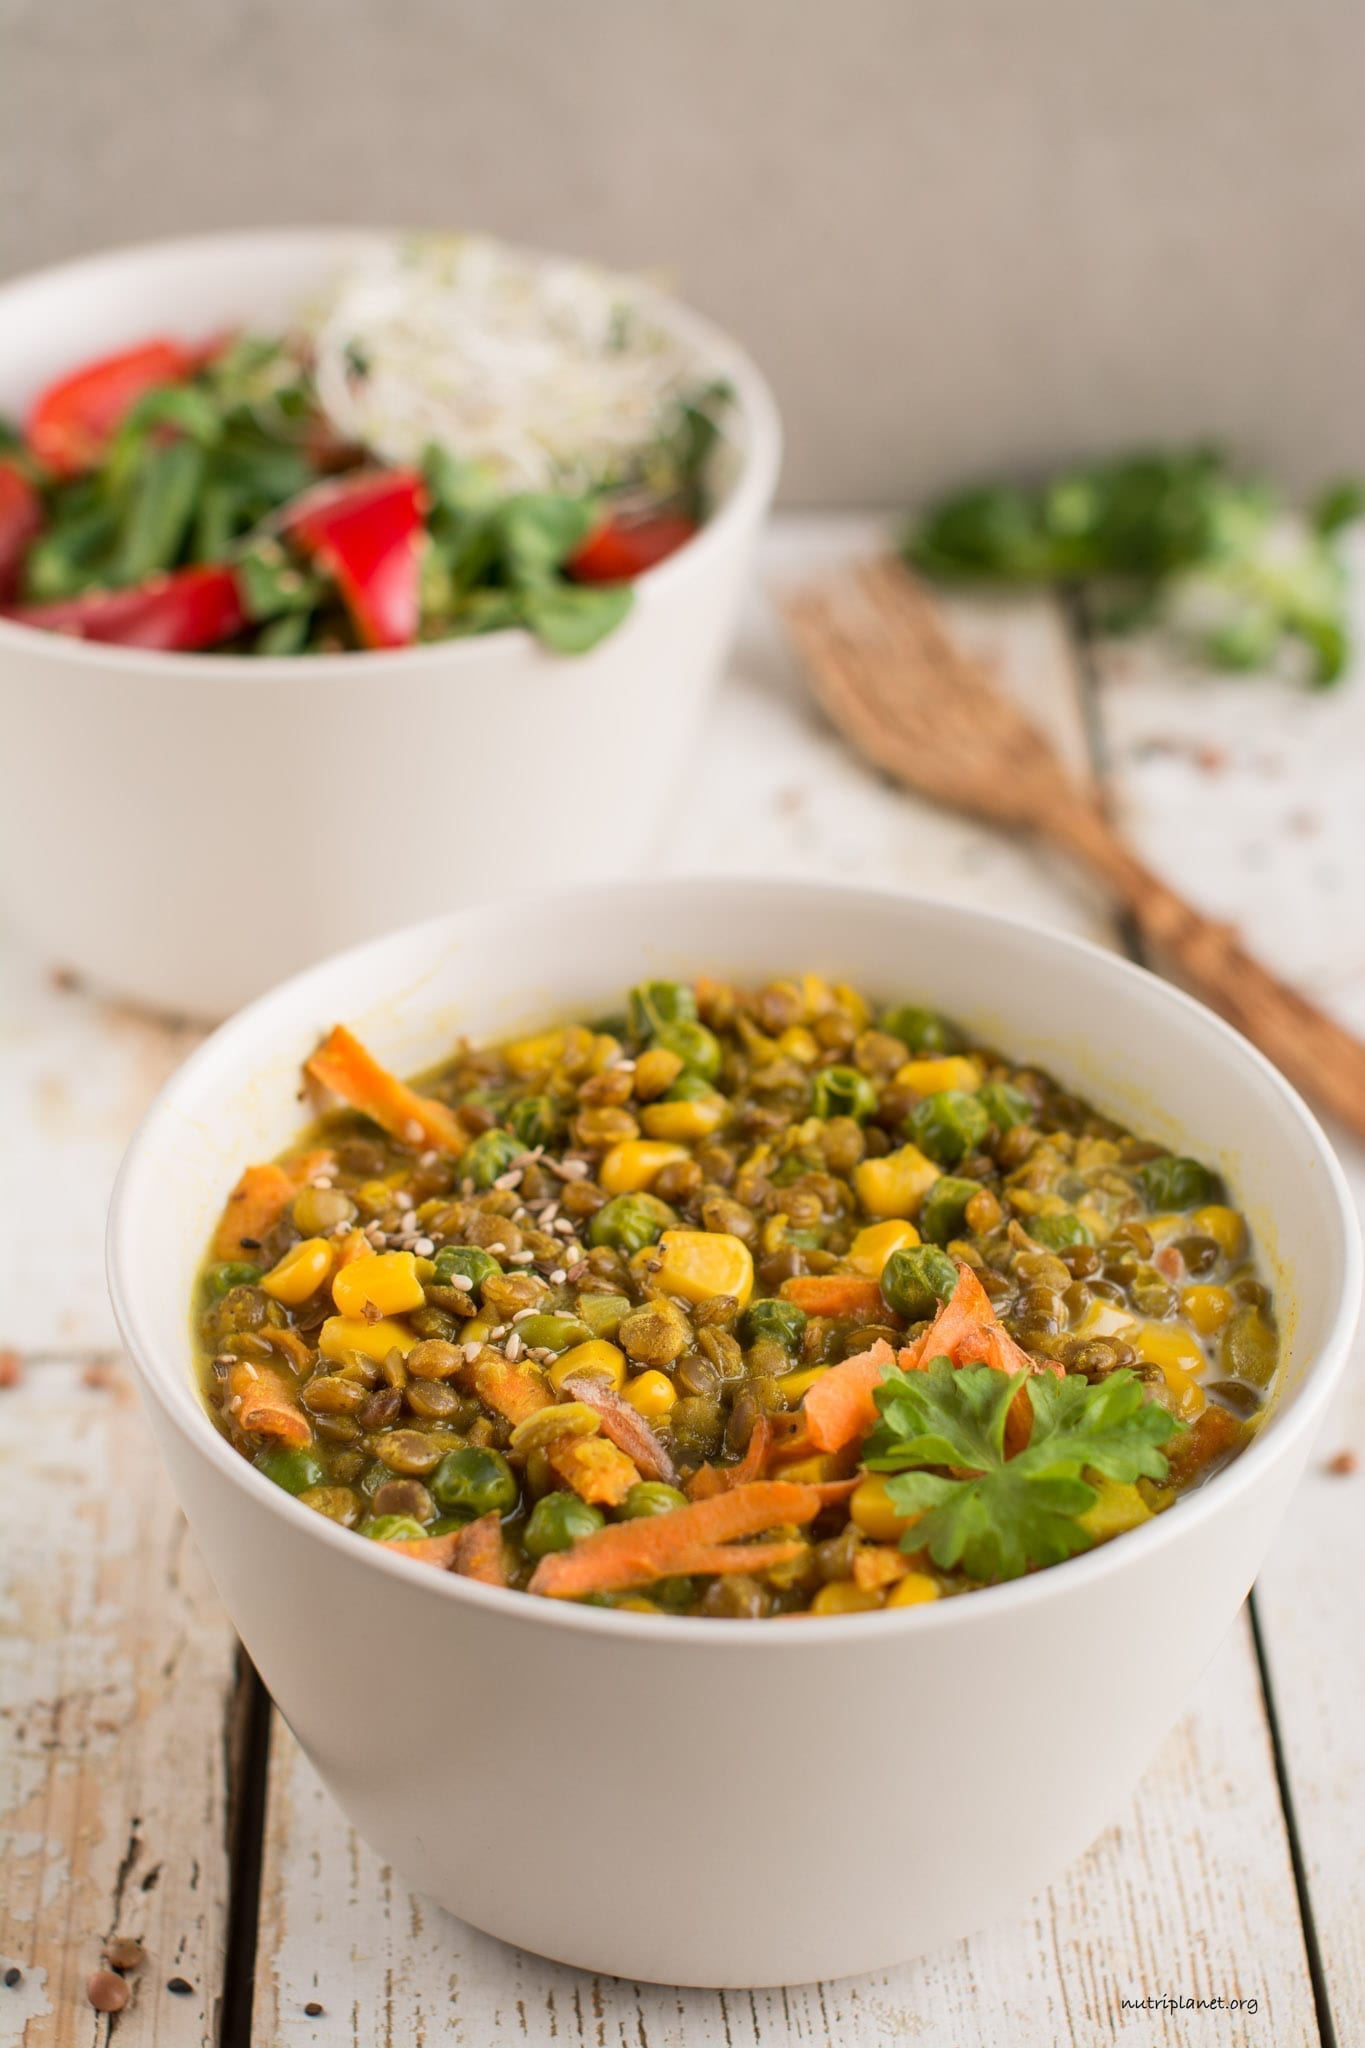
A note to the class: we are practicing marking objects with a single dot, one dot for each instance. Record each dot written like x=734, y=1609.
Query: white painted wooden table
x=145, y=1788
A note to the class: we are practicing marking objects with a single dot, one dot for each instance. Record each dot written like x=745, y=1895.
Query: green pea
x=393, y=1529
x=690, y=1088
x=782, y=1322
x=943, y=1212
x=603, y=1313
x=474, y=1482
x=467, y=1262
x=948, y=1126
x=1172, y=1182
x=489, y=1157
x=536, y=1121
x=917, y=1279
x=922, y=1030
x=651, y=1497
x=659, y=1002
x=1057, y=1232
x=1005, y=1106
x=294, y=1470
x=629, y=1222
x=694, y=1045
x=559, y=1520
x=232, y=1273
x=843, y=1091
x=1249, y=1350
x=552, y=1333
x=673, y=1595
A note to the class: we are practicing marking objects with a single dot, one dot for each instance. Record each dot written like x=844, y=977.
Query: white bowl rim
x=754, y=481
x=161, y=1382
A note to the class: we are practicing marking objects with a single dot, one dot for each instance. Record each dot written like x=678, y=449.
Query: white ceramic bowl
x=187, y=829
x=732, y=1803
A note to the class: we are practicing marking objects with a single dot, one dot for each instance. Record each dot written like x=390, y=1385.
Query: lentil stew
x=737, y=1303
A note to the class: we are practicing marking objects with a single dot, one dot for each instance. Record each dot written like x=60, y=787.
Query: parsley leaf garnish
x=1006, y=1514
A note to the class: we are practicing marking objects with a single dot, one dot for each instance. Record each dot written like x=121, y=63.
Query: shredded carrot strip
x=709, y=1480
x=514, y=1390
x=595, y=1469
x=878, y=1564
x=475, y=1552
x=626, y=1554
x=839, y=1408
x=1212, y=1434
x=835, y=1294
x=260, y=1403
x=259, y=1200
x=625, y=1426
x=343, y=1064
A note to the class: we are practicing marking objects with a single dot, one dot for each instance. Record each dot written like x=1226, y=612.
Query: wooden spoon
x=895, y=683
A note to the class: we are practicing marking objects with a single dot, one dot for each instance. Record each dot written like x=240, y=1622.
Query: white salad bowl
x=712, y=1802
x=185, y=829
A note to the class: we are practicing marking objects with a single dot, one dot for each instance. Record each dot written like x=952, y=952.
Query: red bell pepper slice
x=73, y=421
x=21, y=519
x=175, y=614
x=624, y=548
x=364, y=531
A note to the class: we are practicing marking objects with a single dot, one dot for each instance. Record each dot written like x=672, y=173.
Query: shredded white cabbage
x=547, y=372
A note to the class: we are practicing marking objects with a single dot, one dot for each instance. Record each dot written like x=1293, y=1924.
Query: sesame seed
x=524, y=1312
x=471, y=1352
x=559, y=1276
x=520, y=1258
x=548, y=1212
x=512, y=1349
x=423, y=1246
x=510, y=1179
x=322, y=1180
x=412, y=1131
x=403, y=1198
x=429, y=1159
x=462, y=1281
x=562, y=1226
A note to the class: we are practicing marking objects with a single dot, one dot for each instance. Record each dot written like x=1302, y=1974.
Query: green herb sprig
x=997, y=1516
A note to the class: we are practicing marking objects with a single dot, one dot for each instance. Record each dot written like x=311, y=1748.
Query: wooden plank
x=76, y=1073
x=1192, y=1894
x=116, y=1683
x=1247, y=789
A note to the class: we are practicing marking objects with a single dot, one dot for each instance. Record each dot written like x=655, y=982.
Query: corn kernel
x=929, y=1077
x=1208, y=1308
x=796, y=1385
x=300, y=1272
x=606, y=1051
x=544, y=1050
x=1224, y=1226
x=870, y=1508
x=685, y=1120
x=385, y=1280
x=872, y=1247
x=896, y=1185
x=1119, y=1507
x=699, y=1264
x=655, y=1071
x=340, y=1334
x=595, y=1356
x=845, y=1596
x=650, y=1394
x=800, y=1045
x=634, y=1163
x=853, y=1005
x=1180, y=1359
x=913, y=1590
x=818, y=1470
x=817, y=997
